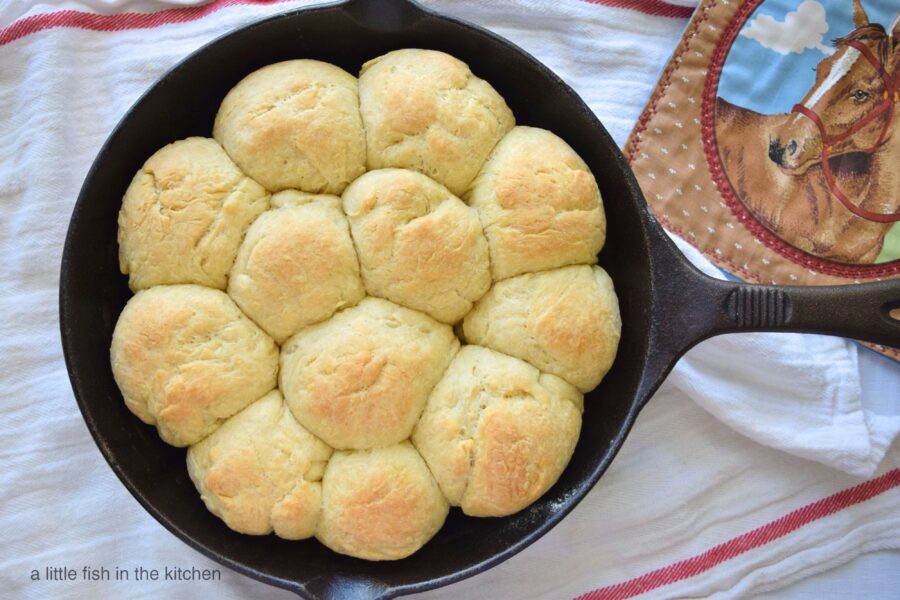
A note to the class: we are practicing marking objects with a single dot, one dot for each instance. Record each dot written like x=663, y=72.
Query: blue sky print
x=772, y=62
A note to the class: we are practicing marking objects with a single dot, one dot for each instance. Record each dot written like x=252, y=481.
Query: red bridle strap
x=887, y=106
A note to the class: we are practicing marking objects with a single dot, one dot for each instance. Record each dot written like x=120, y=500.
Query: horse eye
x=860, y=95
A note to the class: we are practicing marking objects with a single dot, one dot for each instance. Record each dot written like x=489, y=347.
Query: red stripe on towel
x=744, y=543
x=657, y=8
x=94, y=22
x=130, y=20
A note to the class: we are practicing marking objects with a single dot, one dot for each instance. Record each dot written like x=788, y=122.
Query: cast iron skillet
x=667, y=306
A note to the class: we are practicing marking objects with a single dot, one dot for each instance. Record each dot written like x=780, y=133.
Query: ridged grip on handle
x=753, y=307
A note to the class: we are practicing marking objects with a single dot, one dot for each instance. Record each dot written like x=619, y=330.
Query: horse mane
x=871, y=31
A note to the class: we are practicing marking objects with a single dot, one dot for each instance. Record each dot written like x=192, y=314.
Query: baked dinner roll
x=184, y=215
x=261, y=471
x=295, y=124
x=539, y=205
x=564, y=322
x=186, y=358
x=496, y=432
x=297, y=264
x=419, y=245
x=360, y=379
x=425, y=110
x=379, y=504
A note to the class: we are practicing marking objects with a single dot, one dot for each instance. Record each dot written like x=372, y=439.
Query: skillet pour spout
x=667, y=305
x=344, y=588
x=386, y=15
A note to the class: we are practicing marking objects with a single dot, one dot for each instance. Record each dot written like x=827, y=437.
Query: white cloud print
x=801, y=29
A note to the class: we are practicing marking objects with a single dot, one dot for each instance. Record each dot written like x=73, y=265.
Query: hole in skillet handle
x=385, y=15
x=892, y=311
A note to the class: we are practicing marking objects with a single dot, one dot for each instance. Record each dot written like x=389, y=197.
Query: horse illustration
x=826, y=177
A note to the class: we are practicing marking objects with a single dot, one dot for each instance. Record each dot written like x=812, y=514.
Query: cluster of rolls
x=298, y=278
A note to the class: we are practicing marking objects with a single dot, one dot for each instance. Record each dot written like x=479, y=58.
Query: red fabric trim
x=711, y=149
x=749, y=541
x=656, y=8
x=118, y=22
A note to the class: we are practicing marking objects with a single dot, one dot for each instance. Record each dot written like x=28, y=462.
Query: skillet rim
x=81, y=389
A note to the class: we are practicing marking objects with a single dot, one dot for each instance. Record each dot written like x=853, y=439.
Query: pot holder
x=772, y=141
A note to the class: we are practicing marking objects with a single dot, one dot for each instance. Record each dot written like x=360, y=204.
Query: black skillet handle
x=689, y=307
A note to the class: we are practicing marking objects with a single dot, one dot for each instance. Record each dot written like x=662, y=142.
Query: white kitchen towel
x=795, y=392
x=684, y=484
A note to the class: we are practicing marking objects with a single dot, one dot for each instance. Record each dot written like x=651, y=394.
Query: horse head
x=847, y=103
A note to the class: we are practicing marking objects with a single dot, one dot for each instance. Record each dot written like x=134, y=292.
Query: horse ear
x=894, y=32
x=860, y=18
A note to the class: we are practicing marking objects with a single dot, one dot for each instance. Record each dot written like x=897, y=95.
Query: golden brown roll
x=539, y=205
x=425, y=110
x=564, y=322
x=184, y=216
x=261, y=471
x=379, y=504
x=496, y=432
x=360, y=379
x=419, y=245
x=295, y=124
x=186, y=358
x=297, y=265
